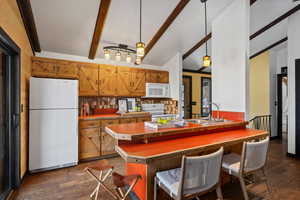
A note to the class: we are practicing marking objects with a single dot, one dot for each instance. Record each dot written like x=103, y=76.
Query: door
x=205, y=96
x=187, y=83
x=107, y=80
x=88, y=79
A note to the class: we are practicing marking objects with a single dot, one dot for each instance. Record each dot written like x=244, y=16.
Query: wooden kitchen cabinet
x=143, y=119
x=155, y=76
x=88, y=79
x=108, y=142
x=107, y=80
x=52, y=68
x=128, y=120
x=131, y=81
x=89, y=143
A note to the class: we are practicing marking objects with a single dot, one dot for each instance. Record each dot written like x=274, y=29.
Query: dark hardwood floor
x=72, y=183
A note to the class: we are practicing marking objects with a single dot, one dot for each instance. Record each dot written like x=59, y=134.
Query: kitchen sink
x=206, y=121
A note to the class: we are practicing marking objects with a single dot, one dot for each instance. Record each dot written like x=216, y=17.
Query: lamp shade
x=206, y=61
x=138, y=60
x=106, y=54
x=140, y=49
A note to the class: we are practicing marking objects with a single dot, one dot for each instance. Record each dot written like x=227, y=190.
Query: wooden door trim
x=191, y=92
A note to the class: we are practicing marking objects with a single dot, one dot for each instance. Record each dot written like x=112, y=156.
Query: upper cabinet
x=100, y=79
x=131, y=81
x=88, y=79
x=51, y=68
x=107, y=80
x=155, y=76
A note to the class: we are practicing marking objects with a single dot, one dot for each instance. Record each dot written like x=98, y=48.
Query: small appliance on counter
x=157, y=111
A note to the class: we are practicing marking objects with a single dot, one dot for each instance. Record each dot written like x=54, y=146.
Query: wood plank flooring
x=72, y=183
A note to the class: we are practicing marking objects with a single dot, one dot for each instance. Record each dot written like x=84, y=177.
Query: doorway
x=187, y=84
x=9, y=115
x=282, y=107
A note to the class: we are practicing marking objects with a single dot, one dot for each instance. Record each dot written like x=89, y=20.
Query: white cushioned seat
x=170, y=179
x=231, y=163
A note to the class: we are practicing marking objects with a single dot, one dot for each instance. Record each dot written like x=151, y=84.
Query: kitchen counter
x=147, y=151
x=113, y=116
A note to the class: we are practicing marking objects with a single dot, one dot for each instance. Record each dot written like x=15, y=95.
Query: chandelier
x=119, y=51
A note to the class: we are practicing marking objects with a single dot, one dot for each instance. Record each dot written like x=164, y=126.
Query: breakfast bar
x=147, y=151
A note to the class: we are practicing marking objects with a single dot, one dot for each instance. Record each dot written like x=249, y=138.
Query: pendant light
x=206, y=58
x=140, y=46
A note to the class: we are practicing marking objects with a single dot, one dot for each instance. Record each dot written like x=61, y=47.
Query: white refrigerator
x=53, y=123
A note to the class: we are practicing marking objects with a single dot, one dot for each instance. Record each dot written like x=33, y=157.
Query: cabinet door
x=107, y=80
x=139, y=82
x=89, y=143
x=88, y=79
x=163, y=77
x=65, y=69
x=107, y=142
x=43, y=68
x=155, y=76
x=124, y=83
x=143, y=119
x=127, y=120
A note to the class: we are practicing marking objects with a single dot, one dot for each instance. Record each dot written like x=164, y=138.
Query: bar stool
x=197, y=175
x=254, y=157
x=100, y=167
x=120, y=182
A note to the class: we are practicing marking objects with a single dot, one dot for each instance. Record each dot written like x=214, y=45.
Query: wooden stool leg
x=219, y=192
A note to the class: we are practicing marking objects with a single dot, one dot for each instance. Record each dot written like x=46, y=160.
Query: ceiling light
x=128, y=58
x=206, y=58
x=138, y=60
x=118, y=56
x=140, y=46
x=106, y=54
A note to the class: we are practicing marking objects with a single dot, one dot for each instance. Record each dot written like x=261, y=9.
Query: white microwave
x=157, y=90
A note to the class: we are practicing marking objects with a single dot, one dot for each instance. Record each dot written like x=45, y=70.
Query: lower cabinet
x=94, y=142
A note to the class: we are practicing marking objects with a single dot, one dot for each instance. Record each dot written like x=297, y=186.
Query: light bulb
x=140, y=49
x=118, y=56
x=106, y=54
x=138, y=60
x=128, y=58
x=206, y=61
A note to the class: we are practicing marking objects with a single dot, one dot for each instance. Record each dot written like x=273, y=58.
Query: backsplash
x=110, y=104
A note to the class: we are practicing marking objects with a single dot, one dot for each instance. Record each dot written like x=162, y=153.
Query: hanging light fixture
x=138, y=60
x=118, y=56
x=140, y=46
x=128, y=58
x=206, y=58
x=106, y=54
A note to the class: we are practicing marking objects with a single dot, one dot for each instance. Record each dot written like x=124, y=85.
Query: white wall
x=293, y=53
x=48, y=54
x=230, y=53
x=174, y=65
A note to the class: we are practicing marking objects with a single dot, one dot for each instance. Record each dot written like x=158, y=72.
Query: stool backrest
x=254, y=155
x=200, y=173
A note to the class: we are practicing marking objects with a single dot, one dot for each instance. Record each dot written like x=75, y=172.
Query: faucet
x=218, y=112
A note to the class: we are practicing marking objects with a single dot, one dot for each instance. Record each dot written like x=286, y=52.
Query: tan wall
x=259, y=85
x=11, y=22
x=196, y=89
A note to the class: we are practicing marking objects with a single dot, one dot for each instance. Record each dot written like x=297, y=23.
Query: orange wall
x=11, y=23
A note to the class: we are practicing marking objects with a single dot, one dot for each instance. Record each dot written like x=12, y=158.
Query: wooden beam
x=30, y=27
x=102, y=14
x=274, y=22
x=269, y=47
x=252, y=2
x=196, y=46
x=202, y=68
x=195, y=71
x=180, y=6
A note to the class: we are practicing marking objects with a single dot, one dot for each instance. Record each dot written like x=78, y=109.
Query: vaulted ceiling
x=67, y=26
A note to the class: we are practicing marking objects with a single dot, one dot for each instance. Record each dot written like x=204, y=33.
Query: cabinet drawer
x=127, y=120
x=108, y=122
x=89, y=123
x=143, y=119
x=89, y=131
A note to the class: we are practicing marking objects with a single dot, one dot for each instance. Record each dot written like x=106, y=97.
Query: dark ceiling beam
x=196, y=46
x=276, y=21
x=195, y=71
x=203, y=40
x=180, y=6
x=30, y=27
x=102, y=14
x=269, y=47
